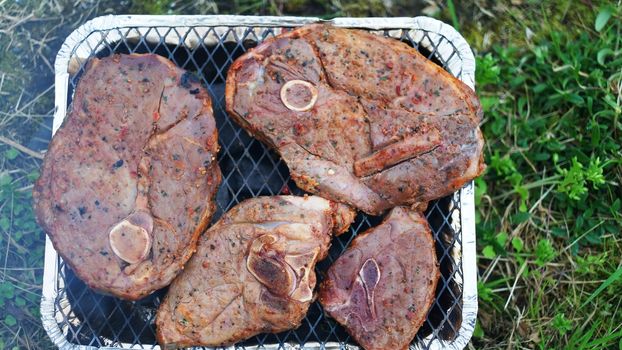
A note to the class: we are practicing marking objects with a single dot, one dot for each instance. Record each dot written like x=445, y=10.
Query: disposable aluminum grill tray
x=75, y=317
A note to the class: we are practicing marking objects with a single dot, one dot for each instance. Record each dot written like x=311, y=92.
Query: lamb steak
x=253, y=272
x=129, y=179
x=358, y=118
x=381, y=288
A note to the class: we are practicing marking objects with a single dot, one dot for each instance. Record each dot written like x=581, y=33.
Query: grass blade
x=452, y=13
x=605, y=284
x=601, y=19
x=600, y=343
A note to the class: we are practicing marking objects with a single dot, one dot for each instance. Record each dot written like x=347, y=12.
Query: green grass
x=552, y=102
x=548, y=208
x=549, y=204
x=21, y=241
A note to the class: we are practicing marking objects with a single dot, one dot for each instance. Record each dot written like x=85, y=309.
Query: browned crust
x=466, y=94
x=164, y=330
x=435, y=273
x=44, y=182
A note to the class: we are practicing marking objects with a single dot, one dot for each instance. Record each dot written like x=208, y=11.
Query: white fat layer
x=309, y=202
x=252, y=85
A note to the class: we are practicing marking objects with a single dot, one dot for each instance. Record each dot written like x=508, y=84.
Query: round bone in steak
x=128, y=182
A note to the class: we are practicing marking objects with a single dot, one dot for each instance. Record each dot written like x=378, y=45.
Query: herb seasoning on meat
x=358, y=118
x=125, y=169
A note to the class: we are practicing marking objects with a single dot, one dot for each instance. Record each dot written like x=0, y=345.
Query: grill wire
x=249, y=169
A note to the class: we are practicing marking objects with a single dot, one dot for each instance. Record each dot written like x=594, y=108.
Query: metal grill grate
x=249, y=169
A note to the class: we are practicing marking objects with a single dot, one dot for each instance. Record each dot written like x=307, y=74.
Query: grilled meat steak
x=381, y=287
x=358, y=118
x=253, y=272
x=128, y=181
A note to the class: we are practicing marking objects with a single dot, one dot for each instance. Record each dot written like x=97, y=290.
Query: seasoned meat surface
x=253, y=272
x=381, y=288
x=128, y=182
x=358, y=118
